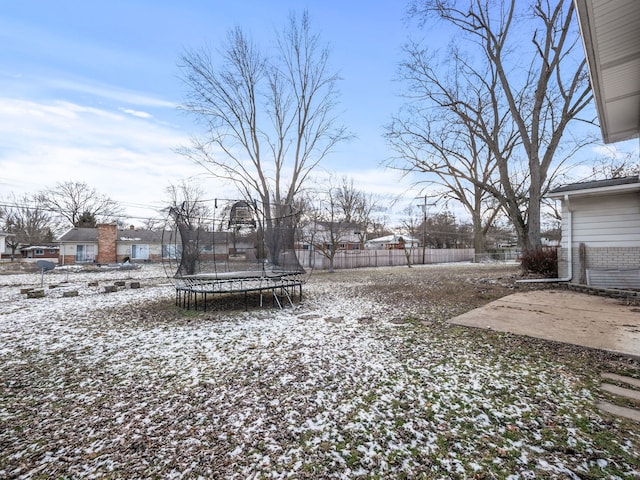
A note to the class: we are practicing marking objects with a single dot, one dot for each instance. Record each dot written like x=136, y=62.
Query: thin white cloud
x=129, y=158
x=136, y=113
x=112, y=93
x=619, y=151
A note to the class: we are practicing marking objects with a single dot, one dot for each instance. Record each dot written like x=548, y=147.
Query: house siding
x=609, y=228
x=67, y=254
x=605, y=221
x=123, y=250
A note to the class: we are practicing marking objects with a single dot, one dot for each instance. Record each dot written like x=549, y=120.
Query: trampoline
x=223, y=252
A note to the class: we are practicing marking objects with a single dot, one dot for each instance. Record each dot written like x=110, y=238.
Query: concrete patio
x=563, y=316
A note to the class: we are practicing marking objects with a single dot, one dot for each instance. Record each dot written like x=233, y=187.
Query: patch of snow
x=96, y=386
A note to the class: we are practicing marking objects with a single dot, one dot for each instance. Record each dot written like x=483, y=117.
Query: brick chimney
x=107, y=236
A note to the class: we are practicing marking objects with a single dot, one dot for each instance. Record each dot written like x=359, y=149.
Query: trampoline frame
x=282, y=285
x=192, y=288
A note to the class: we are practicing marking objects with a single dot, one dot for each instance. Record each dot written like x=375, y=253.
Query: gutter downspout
x=569, y=252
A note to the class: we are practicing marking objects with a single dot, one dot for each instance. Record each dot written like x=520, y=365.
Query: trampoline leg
x=275, y=297
x=286, y=293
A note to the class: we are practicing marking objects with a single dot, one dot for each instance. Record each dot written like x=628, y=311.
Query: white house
x=321, y=234
x=392, y=242
x=3, y=244
x=600, y=232
x=601, y=219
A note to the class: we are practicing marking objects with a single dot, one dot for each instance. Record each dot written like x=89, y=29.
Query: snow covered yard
x=361, y=380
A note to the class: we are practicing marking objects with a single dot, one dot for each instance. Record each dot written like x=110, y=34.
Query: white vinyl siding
x=604, y=221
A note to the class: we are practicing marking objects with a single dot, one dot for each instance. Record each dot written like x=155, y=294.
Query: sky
x=89, y=90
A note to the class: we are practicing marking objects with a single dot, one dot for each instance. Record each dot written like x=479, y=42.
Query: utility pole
x=424, y=226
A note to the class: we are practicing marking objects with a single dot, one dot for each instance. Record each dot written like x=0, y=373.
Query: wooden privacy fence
x=384, y=258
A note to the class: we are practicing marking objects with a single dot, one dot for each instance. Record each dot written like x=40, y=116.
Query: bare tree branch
x=269, y=118
x=517, y=111
x=71, y=200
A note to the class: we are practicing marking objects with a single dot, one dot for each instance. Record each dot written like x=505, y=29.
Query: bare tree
x=535, y=92
x=327, y=224
x=268, y=119
x=458, y=160
x=189, y=197
x=358, y=207
x=331, y=232
x=615, y=166
x=192, y=217
x=411, y=225
x=73, y=201
x=27, y=221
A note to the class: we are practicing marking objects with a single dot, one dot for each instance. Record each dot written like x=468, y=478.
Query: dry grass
x=364, y=379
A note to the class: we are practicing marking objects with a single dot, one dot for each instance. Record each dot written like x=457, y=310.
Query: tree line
x=333, y=213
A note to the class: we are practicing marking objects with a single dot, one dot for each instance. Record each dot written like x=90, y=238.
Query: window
x=140, y=252
x=38, y=252
x=85, y=253
x=171, y=251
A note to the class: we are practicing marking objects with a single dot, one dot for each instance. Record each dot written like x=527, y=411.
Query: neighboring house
x=4, y=253
x=108, y=244
x=601, y=219
x=392, y=242
x=40, y=251
x=139, y=245
x=347, y=236
x=49, y=251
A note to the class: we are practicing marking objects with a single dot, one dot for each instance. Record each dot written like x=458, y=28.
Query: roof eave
x=594, y=192
x=584, y=14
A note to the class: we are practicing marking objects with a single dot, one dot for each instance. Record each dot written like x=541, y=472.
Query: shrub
x=540, y=261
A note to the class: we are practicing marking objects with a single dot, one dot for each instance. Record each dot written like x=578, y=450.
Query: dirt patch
x=436, y=292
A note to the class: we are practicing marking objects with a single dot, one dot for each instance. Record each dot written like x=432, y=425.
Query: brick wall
x=107, y=236
x=613, y=257
x=599, y=257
